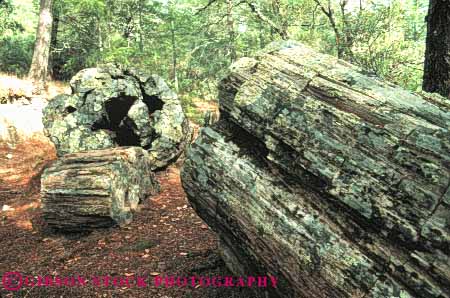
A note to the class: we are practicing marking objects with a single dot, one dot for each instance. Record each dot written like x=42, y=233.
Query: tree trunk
x=436, y=76
x=280, y=30
x=329, y=13
x=39, y=65
x=262, y=40
x=100, y=35
x=54, y=67
x=94, y=189
x=141, y=30
x=174, y=55
x=231, y=33
x=335, y=183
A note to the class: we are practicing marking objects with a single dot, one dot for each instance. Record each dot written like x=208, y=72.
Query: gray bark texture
x=39, y=65
x=436, y=75
x=96, y=189
x=334, y=182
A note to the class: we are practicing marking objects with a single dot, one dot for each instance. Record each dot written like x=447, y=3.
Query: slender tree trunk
x=273, y=26
x=262, y=40
x=280, y=17
x=141, y=32
x=53, y=44
x=39, y=65
x=174, y=54
x=337, y=35
x=231, y=33
x=416, y=13
x=100, y=35
x=346, y=32
x=436, y=76
x=312, y=28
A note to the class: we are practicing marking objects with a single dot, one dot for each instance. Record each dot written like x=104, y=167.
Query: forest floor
x=165, y=238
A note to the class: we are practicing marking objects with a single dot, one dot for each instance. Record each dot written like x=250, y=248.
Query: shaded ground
x=165, y=238
x=21, y=164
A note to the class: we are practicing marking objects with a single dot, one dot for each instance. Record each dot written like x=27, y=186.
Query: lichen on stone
x=111, y=107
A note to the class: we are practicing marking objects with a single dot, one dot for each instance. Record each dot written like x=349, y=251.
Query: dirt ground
x=166, y=238
x=22, y=87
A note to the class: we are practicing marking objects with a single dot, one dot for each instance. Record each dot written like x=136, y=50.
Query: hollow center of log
x=117, y=121
x=117, y=109
x=125, y=134
x=153, y=103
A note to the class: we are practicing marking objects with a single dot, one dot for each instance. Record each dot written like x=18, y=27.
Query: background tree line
x=192, y=42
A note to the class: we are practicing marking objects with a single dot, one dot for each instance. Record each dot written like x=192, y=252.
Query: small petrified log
x=335, y=182
x=94, y=189
x=111, y=107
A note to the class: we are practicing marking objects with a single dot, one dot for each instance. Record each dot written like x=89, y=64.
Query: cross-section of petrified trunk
x=98, y=188
x=335, y=182
x=112, y=107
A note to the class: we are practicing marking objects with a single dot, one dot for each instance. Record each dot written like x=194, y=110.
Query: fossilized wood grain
x=113, y=107
x=97, y=188
x=342, y=187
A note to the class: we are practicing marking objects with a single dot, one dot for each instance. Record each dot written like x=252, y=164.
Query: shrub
x=16, y=52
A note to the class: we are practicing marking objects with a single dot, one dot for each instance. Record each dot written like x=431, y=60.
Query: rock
x=335, y=182
x=96, y=189
x=19, y=123
x=111, y=107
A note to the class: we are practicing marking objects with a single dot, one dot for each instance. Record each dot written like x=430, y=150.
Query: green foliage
x=7, y=23
x=383, y=47
x=16, y=53
x=17, y=30
x=192, y=42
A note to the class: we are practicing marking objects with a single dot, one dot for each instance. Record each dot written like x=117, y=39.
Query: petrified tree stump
x=111, y=107
x=94, y=189
x=335, y=182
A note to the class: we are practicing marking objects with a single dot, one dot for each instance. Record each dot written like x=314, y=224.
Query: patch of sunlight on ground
x=24, y=87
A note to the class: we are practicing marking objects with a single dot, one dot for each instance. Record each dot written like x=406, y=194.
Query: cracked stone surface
x=335, y=182
x=111, y=107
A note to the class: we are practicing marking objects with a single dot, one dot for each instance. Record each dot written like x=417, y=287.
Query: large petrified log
x=335, y=182
x=94, y=189
x=112, y=107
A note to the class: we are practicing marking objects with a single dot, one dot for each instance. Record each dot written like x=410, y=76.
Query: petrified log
x=335, y=182
x=95, y=189
x=111, y=107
